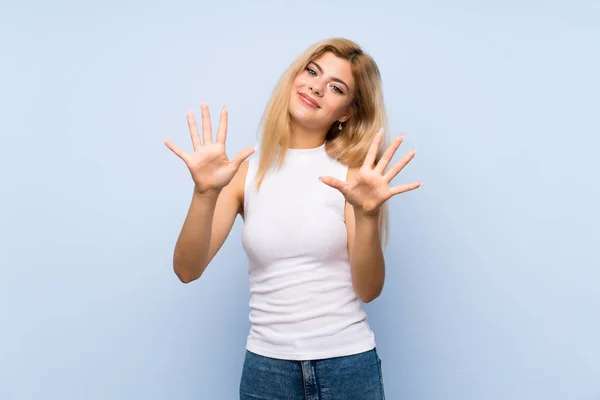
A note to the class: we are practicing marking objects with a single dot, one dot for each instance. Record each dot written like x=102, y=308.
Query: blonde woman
x=313, y=205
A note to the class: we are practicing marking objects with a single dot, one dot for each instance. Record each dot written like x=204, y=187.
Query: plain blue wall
x=493, y=268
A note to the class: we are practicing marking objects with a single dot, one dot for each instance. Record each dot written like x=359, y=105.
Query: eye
x=311, y=71
x=337, y=89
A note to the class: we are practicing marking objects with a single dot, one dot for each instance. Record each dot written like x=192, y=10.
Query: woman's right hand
x=210, y=168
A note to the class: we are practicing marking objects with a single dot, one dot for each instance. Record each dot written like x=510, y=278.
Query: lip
x=309, y=101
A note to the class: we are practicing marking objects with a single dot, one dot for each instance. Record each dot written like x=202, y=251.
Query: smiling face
x=322, y=93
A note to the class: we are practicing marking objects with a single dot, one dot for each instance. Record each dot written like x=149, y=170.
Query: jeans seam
x=380, y=376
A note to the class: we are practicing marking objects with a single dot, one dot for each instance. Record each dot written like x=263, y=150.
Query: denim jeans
x=341, y=378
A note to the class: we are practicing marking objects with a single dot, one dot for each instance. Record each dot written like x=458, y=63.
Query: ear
x=347, y=114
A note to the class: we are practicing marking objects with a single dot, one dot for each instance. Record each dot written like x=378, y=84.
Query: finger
x=196, y=143
x=372, y=153
x=388, y=155
x=178, y=152
x=405, y=188
x=242, y=155
x=392, y=172
x=222, y=130
x=333, y=182
x=206, y=127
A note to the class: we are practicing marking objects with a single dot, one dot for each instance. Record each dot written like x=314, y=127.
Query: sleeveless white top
x=302, y=305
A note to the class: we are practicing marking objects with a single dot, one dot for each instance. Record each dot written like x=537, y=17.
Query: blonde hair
x=366, y=113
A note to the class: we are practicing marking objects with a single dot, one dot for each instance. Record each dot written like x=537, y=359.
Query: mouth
x=308, y=100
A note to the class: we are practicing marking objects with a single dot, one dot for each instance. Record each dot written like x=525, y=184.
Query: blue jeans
x=341, y=378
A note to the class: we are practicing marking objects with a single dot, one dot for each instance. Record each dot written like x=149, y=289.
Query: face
x=321, y=94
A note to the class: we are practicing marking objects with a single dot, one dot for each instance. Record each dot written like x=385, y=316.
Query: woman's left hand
x=370, y=187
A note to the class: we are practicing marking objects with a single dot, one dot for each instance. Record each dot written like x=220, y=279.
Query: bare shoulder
x=241, y=172
x=236, y=186
x=351, y=172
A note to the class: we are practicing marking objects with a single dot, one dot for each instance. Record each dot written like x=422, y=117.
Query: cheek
x=338, y=107
x=299, y=81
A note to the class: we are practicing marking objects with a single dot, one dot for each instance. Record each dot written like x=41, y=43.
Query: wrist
x=210, y=195
x=359, y=213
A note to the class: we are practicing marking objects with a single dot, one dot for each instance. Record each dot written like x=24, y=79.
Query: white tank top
x=302, y=305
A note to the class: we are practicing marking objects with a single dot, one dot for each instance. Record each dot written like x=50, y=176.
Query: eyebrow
x=334, y=78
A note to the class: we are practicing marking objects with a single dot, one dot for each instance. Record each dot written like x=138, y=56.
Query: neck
x=305, y=138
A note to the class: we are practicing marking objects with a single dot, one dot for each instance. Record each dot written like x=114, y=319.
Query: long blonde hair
x=367, y=112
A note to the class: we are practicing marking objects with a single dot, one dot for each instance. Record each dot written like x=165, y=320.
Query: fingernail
x=421, y=184
x=256, y=147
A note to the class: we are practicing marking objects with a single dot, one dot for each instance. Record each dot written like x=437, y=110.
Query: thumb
x=333, y=182
x=242, y=155
x=178, y=152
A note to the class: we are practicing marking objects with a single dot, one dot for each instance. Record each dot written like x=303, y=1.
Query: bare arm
x=206, y=227
x=367, y=264
x=217, y=198
x=366, y=189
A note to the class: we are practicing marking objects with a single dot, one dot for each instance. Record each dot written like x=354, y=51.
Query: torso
x=302, y=302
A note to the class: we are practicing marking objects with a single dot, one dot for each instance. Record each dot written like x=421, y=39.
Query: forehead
x=335, y=67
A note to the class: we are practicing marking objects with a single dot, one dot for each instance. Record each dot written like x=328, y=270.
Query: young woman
x=313, y=209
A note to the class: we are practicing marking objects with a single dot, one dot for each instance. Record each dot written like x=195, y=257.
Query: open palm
x=370, y=187
x=209, y=165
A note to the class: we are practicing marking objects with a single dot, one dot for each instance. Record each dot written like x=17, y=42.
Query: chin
x=304, y=117
x=304, y=120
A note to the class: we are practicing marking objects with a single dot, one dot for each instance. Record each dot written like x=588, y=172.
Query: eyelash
x=314, y=73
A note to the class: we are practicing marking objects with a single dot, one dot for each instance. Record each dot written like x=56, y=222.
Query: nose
x=316, y=87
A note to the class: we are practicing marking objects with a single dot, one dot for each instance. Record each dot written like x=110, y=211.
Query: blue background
x=493, y=275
